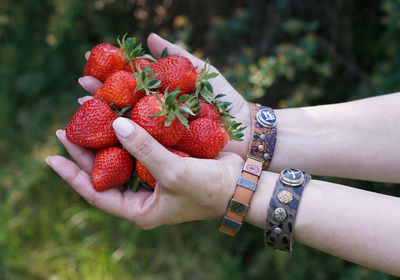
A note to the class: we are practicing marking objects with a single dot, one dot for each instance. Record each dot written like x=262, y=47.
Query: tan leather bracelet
x=259, y=157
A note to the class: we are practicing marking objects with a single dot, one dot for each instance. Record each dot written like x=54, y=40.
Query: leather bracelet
x=281, y=215
x=258, y=158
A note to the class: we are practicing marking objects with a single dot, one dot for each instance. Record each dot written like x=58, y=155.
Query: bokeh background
x=281, y=53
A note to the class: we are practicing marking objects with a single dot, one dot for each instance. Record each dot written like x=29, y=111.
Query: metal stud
x=277, y=230
x=266, y=156
x=263, y=136
x=285, y=197
x=260, y=148
x=280, y=214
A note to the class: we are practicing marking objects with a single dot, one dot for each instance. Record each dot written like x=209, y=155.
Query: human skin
x=342, y=140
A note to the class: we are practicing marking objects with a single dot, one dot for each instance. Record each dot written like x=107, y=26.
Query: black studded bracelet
x=279, y=224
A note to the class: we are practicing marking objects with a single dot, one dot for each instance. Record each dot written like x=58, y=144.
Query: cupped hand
x=240, y=109
x=187, y=189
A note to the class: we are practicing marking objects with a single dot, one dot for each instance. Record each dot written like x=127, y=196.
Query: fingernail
x=81, y=100
x=47, y=160
x=156, y=35
x=123, y=127
x=58, y=133
x=82, y=83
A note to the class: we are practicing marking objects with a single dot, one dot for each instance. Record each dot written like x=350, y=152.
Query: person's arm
x=352, y=224
x=358, y=139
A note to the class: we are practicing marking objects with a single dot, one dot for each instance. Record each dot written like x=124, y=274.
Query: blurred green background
x=280, y=53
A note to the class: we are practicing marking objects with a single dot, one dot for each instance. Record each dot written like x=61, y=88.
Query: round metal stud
x=260, y=148
x=263, y=136
x=291, y=177
x=277, y=230
x=266, y=156
x=266, y=118
x=280, y=214
x=285, y=197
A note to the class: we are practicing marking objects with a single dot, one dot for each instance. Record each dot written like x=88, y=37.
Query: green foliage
x=281, y=53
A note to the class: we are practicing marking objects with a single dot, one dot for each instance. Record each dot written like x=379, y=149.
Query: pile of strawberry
x=167, y=97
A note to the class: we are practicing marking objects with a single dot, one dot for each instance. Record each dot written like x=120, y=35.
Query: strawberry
x=112, y=167
x=205, y=138
x=141, y=62
x=105, y=59
x=175, y=71
x=91, y=125
x=145, y=174
x=119, y=89
x=161, y=116
x=208, y=111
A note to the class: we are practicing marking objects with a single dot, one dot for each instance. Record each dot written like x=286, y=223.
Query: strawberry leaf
x=164, y=53
x=171, y=117
x=182, y=119
x=211, y=75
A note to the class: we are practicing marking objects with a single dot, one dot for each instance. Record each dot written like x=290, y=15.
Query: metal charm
x=291, y=177
x=277, y=230
x=260, y=148
x=285, y=197
x=266, y=118
x=238, y=207
x=266, y=156
x=280, y=214
x=263, y=136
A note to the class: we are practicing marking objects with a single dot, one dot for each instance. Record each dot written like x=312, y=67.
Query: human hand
x=187, y=189
x=240, y=109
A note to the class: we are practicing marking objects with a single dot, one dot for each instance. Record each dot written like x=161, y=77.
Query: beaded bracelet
x=258, y=158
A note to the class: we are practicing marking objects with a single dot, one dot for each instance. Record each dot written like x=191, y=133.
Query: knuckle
x=142, y=146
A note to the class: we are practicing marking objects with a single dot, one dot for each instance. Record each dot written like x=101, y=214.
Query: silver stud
x=260, y=148
x=263, y=136
x=277, y=230
x=280, y=214
x=266, y=156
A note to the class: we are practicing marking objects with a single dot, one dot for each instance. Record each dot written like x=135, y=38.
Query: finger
x=125, y=205
x=87, y=54
x=82, y=100
x=157, y=44
x=89, y=83
x=82, y=156
x=144, y=147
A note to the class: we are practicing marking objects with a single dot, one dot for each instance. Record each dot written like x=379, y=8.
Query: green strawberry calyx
x=174, y=107
x=146, y=80
x=203, y=87
x=130, y=47
x=235, y=131
x=135, y=183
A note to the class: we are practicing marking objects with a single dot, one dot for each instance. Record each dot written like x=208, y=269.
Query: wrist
x=258, y=208
x=243, y=115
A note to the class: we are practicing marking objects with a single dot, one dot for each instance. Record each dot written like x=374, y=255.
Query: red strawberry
x=141, y=62
x=105, y=59
x=174, y=71
x=119, y=89
x=91, y=125
x=145, y=174
x=161, y=116
x=204, y=139
x=112, y=167
x=208, y=111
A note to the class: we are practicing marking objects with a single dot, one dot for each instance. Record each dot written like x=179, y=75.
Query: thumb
x=140, y=144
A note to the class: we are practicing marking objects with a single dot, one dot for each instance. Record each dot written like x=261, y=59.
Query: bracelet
x=258, y=158
x=281, y=214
